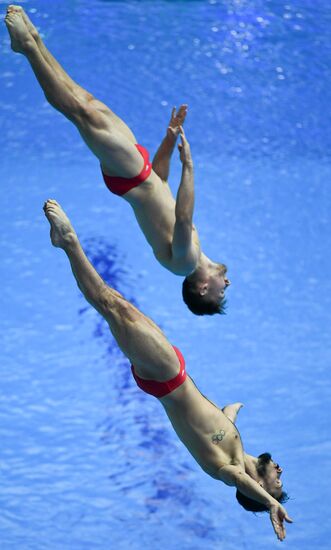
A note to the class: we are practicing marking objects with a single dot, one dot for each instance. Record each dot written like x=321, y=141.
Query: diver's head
x=268, y=475
x=204, y=293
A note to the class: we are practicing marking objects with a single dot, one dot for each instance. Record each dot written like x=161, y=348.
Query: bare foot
x=231, y=411
x=62, y=232
x=30, y=26
x=21, y=39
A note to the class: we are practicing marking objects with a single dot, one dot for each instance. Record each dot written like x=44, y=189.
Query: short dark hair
x=201, y=305
x=252, y=505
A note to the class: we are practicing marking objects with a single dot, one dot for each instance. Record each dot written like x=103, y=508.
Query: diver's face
x=218, y=281
x=270, y=473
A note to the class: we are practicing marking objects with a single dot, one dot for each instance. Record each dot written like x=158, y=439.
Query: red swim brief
x=160, y=389
x=120, y=186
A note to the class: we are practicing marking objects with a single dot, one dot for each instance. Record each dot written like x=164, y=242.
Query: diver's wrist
x=271, y=503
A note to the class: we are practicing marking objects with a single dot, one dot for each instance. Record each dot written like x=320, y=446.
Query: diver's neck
x=250, y=466
x=203, y=266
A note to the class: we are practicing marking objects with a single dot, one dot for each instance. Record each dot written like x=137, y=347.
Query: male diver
x=127, y=171
x=158, y=368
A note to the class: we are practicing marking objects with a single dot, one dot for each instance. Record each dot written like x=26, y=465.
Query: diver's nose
x=227, y=282
x=279, y=469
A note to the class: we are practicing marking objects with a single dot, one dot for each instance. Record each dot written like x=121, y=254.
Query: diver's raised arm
x=231, y=411
x=161, y=161
x=182, y=245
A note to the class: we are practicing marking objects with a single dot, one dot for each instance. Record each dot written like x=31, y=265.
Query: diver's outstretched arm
x=237, y=477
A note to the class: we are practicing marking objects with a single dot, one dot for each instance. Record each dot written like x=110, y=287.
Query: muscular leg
x=108, y=137
x=138, y=337
x=46, y=53
x=116, y=121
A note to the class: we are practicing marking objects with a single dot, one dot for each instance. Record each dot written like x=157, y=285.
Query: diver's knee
x=126, y=311
x=114, y=305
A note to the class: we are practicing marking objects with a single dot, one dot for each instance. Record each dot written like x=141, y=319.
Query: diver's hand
x=177, y=119
x=184, y=149
x=277, y=516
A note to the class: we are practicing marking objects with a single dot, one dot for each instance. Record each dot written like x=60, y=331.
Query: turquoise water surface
x=87, y=460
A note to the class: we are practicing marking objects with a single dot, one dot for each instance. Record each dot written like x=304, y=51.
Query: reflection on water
x=256, y=77
x=110, y=265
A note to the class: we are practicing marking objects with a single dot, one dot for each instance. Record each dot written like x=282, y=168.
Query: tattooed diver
x=158, y=368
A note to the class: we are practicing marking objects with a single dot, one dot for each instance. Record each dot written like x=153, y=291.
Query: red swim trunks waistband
x=160, y=389
x=120, y=186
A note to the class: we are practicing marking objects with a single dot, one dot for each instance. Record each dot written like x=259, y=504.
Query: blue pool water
x=87, y=460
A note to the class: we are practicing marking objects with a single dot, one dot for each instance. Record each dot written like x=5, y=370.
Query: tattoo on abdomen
x=217, y=438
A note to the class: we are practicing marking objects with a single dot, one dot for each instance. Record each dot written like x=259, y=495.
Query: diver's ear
x=203, y=289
